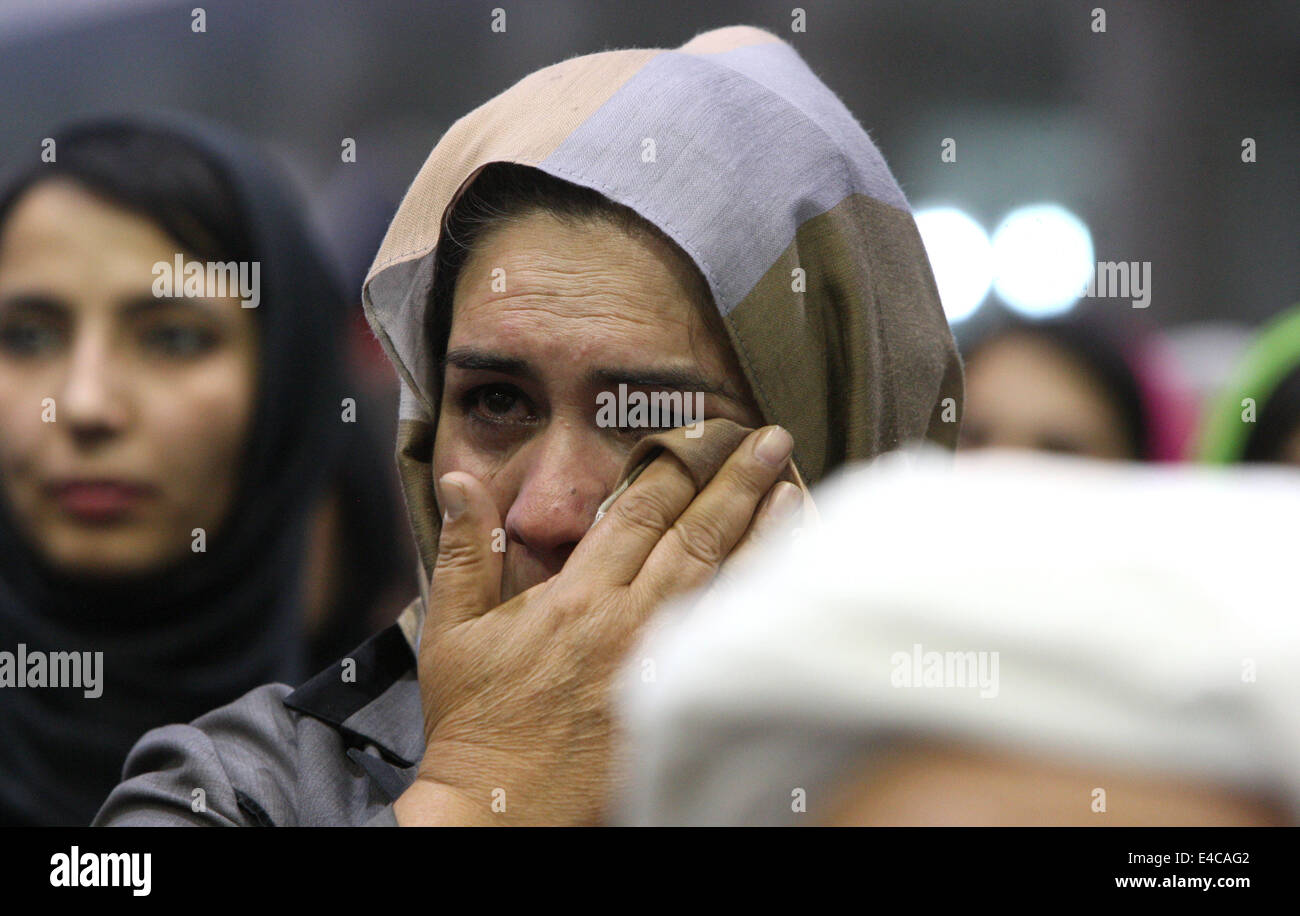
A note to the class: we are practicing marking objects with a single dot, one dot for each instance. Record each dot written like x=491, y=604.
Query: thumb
x=467, y=575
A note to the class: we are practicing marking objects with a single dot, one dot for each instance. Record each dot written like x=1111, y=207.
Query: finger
x=613, y=552
x=771, y=523
x=812, y=519
x=467, y=576
x=691, y=552
x=778, y=514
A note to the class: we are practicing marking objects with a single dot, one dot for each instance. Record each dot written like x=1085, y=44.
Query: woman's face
x=124, y=414
x=1025, y=393
x=584, y=308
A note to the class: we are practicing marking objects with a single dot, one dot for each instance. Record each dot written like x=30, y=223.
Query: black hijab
x=217, y=624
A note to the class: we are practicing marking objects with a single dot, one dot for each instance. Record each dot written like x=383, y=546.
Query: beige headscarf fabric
x=756, y=170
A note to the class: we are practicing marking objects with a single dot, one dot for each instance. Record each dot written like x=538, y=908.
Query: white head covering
x=1112, y=613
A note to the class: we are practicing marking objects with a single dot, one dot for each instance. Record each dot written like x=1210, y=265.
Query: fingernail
x=453, y=498
x=775, y=446
x=786, y=501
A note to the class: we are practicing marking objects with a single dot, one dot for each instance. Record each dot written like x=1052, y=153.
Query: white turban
x=1112, y=613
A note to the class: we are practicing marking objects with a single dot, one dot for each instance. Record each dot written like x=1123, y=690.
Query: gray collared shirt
x=339, y=750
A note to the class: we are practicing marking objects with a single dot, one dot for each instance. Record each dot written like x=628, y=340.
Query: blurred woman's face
x=584, y=308
x=927, y=785
x=1025, y=393
x=124, y=414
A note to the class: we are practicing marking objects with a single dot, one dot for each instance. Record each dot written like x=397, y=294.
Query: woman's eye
x=28, y=338
x=1061, y=445
x=179, y=340
x=497, y=404
x=649, y=428
x=666, y=419
x=659, y=412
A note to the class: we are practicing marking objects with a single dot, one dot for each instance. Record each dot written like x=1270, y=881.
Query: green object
x=1272, y=356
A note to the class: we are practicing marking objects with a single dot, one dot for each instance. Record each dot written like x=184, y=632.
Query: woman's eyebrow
x=33, y=302
x=144, y=305
x=666, y=377
x=474, y=359
x=672, y=377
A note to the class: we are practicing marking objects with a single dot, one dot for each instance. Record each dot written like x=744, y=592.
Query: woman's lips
x=98, y=500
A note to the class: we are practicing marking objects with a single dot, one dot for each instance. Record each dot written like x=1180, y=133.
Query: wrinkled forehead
x=578, y=291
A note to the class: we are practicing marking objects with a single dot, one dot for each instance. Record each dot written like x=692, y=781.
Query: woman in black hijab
x=159, y=518
x=1063, y=384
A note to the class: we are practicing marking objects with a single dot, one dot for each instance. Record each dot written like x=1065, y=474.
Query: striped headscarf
x=740, y=154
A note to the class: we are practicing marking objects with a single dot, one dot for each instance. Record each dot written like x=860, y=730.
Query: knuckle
x=748, y=478
x=642, y=510
x=457, y=554
x=572, y=602
x=701, y=541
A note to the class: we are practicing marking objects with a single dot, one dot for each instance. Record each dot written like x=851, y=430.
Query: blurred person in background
x=765, y=261
x=1071, y=385
x=1256, y=418
x=1073, y=643
x=159, y=453
x=360, y=567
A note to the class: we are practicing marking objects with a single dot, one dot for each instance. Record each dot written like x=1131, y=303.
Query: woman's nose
x=569, y=473
x=92, y=403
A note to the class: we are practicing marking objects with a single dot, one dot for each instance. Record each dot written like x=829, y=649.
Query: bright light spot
x=961, y=257
x=1042, y=257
